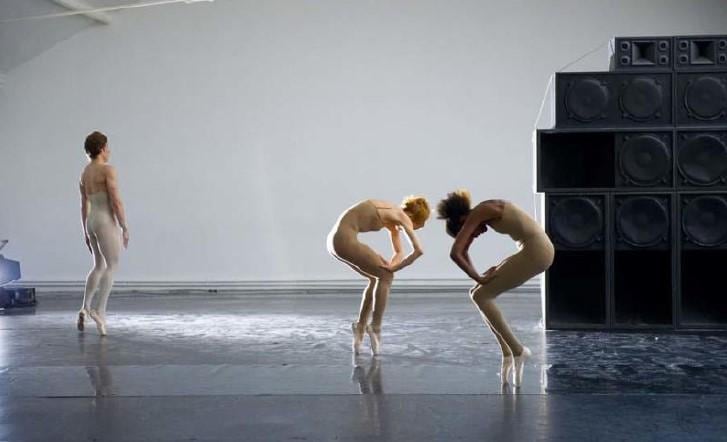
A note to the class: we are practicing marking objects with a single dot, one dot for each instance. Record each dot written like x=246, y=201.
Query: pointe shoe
x=100, y=323
x=520, y=365
x=358, y=335
x=80, y=323
x=375, y=336
x=506, y=369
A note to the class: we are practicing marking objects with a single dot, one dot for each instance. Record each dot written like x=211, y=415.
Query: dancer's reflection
x=368, y=377
x=95, y=356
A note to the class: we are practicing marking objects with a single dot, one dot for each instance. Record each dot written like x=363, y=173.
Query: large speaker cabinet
x=635, y=179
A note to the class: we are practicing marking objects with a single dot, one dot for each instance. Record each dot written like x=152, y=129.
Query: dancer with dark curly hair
x=535, y=255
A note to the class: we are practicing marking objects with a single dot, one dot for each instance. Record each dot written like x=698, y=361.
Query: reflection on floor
x=226, y=367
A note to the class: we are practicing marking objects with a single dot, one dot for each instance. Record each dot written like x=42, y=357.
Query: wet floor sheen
x=242, y=367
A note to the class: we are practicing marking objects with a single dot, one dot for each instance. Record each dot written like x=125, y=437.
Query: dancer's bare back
x=101, y=177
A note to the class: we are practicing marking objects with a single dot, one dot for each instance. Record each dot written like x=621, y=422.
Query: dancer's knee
x=481, y=293
x=112, y=265
x=386, y=277
x=108, y=273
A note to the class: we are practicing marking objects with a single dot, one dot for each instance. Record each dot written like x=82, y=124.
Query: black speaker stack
x=635, y=181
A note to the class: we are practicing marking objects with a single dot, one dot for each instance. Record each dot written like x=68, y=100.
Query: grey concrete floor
x=274, y=367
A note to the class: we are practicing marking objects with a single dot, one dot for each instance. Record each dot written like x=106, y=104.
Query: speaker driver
x=703, y=160
x=704, y=220
x=642, y=221
x=644, y=160
x=586, y=99
x=705, y=98
x=641, y=99
x=577, y=221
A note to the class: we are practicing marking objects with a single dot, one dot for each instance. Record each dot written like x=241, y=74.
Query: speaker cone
x=703, y=160
x=704, y=220
x=641, y=99
x=705, y=98
x=645, y=160
x=642, y=221
x=586, y=99
x=577, y=222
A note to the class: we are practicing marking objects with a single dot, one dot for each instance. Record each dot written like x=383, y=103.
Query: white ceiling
x=22, y=40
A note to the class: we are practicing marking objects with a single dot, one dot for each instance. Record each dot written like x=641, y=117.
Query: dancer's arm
x=396, y=246
x=460, y=255
x=413, y=241
x=112, y=187
x=460, y=249
x=84, y=215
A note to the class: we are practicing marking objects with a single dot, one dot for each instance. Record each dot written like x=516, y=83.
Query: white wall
x=241, y=129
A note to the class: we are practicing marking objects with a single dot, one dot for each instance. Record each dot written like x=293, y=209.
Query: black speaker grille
x=576, y=221
x=702, y=160
x=645, y=160
x=642, y=221
x=705, y=98
x=587, y=99
x=704, y=220
x=641, y=99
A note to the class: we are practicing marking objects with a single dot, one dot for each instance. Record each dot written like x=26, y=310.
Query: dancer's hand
x=125, y=237
x=386, y=265
x=488, y=276
x=88, y=244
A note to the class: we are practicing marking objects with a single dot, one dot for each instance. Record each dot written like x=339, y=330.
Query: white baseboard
x=433, y=286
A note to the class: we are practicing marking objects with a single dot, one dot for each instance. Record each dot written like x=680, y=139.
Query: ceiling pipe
x=97, y=13
x=83, y=8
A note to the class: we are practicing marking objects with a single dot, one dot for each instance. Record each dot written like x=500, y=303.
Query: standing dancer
x=101, y=208
x=535, y=255
x=343, y=243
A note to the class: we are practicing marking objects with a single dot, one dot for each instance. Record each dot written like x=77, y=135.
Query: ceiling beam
x=85, y=9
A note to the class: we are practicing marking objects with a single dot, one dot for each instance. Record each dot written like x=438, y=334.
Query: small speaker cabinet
x=703, y=230
x=577, y=281
x=642, y=260
x=701, y=52
x=631, y=53
x=613, y=99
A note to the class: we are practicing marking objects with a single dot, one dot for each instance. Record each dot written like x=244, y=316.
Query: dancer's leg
x=381, y=297
x=109, y=241
x=109, y=244
x=364, y=260
x=511, y=273
x=94, y=276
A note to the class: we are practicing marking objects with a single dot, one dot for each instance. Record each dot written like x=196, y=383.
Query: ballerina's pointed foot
x=375, y=336
x=520, y=365
x=80, y=323
x=506, y=369
x=100, y=322
x=358, y=335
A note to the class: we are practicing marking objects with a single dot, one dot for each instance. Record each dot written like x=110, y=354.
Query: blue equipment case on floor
x=11, y=297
